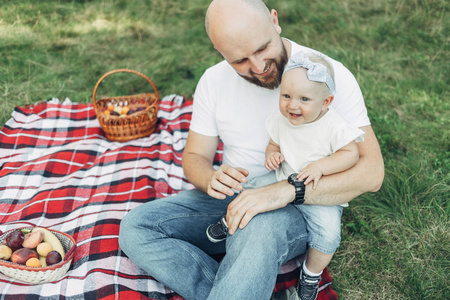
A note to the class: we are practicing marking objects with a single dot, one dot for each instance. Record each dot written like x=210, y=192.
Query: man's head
x=247, y=35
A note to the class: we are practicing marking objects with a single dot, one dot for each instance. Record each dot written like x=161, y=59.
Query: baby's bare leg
x=316, y=261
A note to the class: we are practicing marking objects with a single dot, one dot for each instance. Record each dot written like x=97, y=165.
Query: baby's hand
x=273, y=160
x=311, y=172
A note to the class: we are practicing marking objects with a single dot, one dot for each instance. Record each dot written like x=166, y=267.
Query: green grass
x=395, y=242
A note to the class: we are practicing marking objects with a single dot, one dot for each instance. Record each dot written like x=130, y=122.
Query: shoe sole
x=212, y=239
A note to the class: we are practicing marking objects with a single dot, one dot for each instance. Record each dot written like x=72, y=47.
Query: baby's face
x=301, y=100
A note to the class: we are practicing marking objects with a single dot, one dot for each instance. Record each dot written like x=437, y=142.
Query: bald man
x=232, y=101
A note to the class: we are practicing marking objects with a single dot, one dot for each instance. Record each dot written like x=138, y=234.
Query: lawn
x=396, y=242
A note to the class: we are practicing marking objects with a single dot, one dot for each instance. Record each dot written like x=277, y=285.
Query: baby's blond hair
x=318, y=58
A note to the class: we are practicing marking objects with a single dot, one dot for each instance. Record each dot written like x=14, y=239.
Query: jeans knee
x=260, y=236
x=133, y=226
x=270, y=238
x=126, y=227
x=260, y=228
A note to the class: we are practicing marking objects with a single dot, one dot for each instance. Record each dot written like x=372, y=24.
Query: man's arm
x=198, y=168
x=366, y=176
x=343, y=159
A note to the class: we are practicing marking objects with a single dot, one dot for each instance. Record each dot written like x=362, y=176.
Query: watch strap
x=299, y=189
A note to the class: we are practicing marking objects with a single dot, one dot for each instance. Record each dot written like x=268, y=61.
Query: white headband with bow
x=316, y=71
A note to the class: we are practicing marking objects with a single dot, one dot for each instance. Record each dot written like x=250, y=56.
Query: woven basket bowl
x=44, y=274
x=127, y=127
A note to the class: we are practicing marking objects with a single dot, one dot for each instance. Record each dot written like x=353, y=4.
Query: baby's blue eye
x=304, y=99
x=286, y=96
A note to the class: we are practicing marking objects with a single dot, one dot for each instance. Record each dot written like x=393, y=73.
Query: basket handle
x=118, y=71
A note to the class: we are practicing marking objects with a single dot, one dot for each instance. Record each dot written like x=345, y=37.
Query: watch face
x=292, y=178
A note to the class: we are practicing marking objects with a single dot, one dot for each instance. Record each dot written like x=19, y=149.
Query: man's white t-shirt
x=228, y=106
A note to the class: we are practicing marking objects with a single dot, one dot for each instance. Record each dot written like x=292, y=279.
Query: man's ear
x=274, y=15
x=327, y=101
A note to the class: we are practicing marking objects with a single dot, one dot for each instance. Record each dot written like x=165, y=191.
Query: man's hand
x=251, y=202
x=198, y=157
x=224, y=180
x=273, y=160
x=311, y=172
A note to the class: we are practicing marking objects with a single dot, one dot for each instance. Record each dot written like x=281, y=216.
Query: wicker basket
x=124, y=128
x=44, y=274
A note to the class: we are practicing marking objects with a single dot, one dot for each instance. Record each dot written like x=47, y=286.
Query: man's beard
x=274, y=79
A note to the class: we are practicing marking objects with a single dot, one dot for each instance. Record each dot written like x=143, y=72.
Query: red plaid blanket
x=57, y=170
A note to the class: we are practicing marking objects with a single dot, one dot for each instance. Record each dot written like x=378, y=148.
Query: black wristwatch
x=299, y=188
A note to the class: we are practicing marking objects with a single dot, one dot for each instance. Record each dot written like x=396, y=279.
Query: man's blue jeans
x=167, y=238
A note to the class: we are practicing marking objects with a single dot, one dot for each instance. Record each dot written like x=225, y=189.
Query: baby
x=309, y=137
x=312, y=139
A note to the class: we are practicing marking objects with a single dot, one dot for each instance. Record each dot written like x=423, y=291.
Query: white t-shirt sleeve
x=349, y=101
x=203, y=115
x=342, y=133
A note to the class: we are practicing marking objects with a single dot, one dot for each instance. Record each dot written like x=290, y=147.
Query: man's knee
x=126, y=230
x=268, y=231
x=132, y=226
x=270, y=239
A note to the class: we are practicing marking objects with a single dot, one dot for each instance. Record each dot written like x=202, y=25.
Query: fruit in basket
x=33, y=262
x=125, y=110
x=21, y=255
x=50, y=238
x=44, y=248
x=53, y=257
x=5, y=252
x=118, y=110
x=15, y=239
x=111, y=107
x=42, y=260
x=33, y=239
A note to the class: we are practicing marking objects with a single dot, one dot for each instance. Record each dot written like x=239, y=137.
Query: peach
x=125, y=110
x=21, y=255
x=5, y=252
x=33, y=239
x=33, y=262
x=44, y=248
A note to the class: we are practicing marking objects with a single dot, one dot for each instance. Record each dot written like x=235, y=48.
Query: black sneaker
x=308, y=286
x=217, y=232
